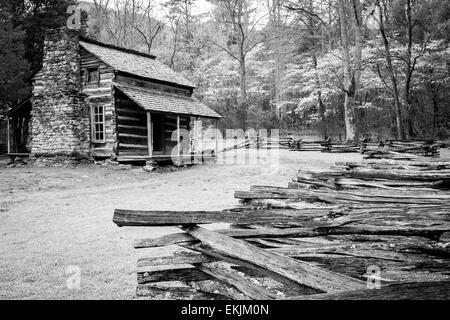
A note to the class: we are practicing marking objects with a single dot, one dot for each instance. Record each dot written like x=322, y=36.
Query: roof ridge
x=114, y=47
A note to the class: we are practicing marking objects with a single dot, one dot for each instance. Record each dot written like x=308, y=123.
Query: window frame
x=94, y=124
x=87, y=71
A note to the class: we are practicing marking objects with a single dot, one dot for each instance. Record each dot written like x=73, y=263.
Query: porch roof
x=151, y=100
x=24, y=103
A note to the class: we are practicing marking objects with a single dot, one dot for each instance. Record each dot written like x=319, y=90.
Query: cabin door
x=157, y=133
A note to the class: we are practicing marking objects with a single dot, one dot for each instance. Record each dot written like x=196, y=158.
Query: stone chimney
x=59, y=117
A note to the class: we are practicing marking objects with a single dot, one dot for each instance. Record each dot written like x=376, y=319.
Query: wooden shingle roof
x=135, y=63
x=152, y=100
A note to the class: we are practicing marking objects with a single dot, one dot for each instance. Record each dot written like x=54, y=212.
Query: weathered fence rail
x=330, y=235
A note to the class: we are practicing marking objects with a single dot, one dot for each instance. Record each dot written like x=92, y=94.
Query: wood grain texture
x=439, y=290
x=297, y=271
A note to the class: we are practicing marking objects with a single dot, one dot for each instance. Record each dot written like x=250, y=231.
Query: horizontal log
x=168, y=218
x=351, y=240
x=263, y=192
x=286, y=204
x=133, y=146
x=132, y=129
x=175, y=274
x=406, y=186
x=351, y=183
x=132, y=135
x=370, y=250
x=176, y=293
x=316, y=183
x=380, y=174
x=131, y=119
x=167, y=240
x=437, y=290
x=417, y=165
x=132, y=139
x=135, y=113
x=181, y=238
x=316, y=196
x=176, y=258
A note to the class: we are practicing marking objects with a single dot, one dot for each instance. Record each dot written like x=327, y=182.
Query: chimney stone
x=59, y=116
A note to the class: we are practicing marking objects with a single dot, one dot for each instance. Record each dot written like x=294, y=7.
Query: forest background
x=335, y=68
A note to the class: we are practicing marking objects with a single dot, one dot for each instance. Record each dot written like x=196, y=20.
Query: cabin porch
x=18, y=129
x=146, y=134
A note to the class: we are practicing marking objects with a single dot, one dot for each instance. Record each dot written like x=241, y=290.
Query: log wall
x=132, y=127
x=129, y=81
x=101, y=94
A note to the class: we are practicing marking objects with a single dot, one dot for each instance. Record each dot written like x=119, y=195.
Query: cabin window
x=92, y=76
x=98, y=123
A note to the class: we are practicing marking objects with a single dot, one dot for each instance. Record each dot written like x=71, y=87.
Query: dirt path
x=52, y=218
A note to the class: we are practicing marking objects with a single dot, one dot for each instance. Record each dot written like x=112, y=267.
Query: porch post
x=8, y=134
x=178, y=135
x=217, y=137
x=149, y=134
x=197, y=136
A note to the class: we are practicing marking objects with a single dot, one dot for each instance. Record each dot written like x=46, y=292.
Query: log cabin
x=92, y=99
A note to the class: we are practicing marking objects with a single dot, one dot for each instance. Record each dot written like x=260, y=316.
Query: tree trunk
x=435, y=109
x=349, y=79
x=276, y=21
x=319, y=99
x=388, y=57
x=243, y=79
x=409, y=69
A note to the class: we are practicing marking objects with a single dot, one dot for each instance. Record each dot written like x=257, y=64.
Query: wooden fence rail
x=319, y=238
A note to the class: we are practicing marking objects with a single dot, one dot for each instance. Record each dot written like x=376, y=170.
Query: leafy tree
x=24, y=23
x=14, y=69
